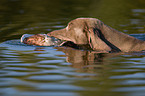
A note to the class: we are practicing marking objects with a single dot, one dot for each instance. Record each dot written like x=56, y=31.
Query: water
x=59, y=71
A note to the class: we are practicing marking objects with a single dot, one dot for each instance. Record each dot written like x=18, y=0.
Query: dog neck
x=122, y=41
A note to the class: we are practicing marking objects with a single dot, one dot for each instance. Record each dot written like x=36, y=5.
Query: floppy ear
x=95, y=42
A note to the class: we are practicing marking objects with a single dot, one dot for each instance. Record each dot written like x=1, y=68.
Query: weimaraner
x=91, y=34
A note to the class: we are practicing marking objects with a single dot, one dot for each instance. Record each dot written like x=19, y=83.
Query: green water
x=59, y=71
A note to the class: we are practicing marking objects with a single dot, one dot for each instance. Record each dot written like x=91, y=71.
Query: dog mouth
x=45, y=40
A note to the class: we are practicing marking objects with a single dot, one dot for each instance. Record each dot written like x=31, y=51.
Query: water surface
x=60, y=71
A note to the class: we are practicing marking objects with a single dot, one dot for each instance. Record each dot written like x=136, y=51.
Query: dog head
x=83, y=31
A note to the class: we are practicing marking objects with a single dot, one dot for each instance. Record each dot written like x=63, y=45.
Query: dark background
x=24, y=16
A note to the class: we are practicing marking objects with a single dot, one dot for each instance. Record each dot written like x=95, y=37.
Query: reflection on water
x=60, y=71
x=44, y=71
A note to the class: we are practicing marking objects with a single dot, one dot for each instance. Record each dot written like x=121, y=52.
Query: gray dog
x=91, y=34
